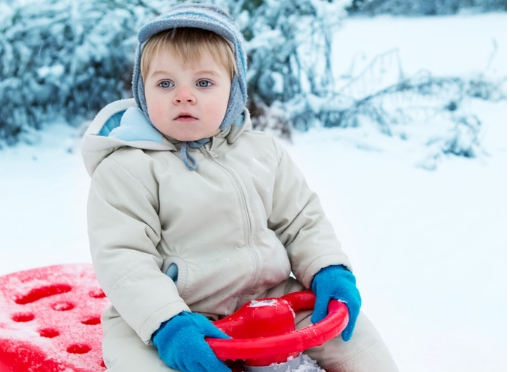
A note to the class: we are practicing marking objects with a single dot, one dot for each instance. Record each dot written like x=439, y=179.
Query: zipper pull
x=209, y=151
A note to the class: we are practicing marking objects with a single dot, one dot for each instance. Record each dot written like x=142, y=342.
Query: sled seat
x=50, y=320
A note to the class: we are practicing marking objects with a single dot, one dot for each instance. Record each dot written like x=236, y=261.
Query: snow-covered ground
x=428, y=247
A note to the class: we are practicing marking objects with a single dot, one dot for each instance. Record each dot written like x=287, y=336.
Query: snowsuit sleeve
x=124, y=232
x=299, y=221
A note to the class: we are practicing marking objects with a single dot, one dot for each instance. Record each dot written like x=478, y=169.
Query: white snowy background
x=428, y=246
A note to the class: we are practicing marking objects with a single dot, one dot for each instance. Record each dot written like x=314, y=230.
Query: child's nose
x=184, y=94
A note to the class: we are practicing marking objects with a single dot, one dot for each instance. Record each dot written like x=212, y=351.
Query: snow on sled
x=50, y=322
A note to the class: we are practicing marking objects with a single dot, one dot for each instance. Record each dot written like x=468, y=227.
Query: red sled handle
x=263, y=331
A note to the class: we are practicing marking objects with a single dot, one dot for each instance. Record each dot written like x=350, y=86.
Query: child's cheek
x=218, y=109
x=156, y=110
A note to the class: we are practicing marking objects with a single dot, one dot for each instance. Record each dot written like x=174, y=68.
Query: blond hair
x=189, y=44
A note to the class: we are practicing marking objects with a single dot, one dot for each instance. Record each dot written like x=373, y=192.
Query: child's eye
x=165, y=84
x=204, y=83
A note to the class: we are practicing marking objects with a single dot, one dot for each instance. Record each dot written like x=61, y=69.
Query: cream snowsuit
x=235, y=228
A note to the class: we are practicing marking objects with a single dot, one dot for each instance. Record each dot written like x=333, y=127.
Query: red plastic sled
x=50, y=322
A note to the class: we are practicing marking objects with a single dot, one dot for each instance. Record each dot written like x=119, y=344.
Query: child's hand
x=181, y=345
x=336, y=282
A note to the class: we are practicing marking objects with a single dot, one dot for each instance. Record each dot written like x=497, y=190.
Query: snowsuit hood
x=123, y=124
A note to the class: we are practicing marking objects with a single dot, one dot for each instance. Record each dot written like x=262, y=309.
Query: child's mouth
x=185, y=117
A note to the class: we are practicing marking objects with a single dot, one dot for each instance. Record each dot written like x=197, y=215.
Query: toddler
x=191, y=213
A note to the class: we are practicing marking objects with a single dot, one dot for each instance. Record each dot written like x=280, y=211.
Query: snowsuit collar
x=123, y=124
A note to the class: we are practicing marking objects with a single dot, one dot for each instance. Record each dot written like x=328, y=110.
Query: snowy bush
x=63, y=60
x=425, y=7
x=289, y=48
x=424, y=110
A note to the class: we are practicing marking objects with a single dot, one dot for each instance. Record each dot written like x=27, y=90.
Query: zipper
x=248, y=219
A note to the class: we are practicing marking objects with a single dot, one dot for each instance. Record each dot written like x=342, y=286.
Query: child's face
x=187, y=102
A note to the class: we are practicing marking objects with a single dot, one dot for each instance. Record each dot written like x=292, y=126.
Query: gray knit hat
x=207, y=17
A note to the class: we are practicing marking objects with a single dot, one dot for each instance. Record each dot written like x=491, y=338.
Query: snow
x=308, y=365
x=444, y=45
x=428, y=246
x=302, y=363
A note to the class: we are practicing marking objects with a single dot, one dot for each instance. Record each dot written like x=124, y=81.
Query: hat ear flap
x=235, y=106
x=137, y=82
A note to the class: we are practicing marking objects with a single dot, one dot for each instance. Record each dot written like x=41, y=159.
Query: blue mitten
x=336, y=282
x=181, y=345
